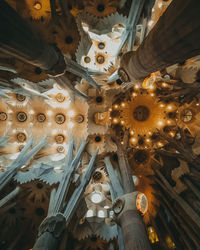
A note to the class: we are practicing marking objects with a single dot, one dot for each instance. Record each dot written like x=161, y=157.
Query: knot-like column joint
x=123, y=75
x=135, y=201
x=54, y=225
x=59, y=68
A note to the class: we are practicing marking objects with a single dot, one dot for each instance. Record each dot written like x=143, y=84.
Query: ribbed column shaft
x=173, y=39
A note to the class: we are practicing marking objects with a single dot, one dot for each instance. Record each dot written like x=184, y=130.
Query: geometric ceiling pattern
x=41, y=121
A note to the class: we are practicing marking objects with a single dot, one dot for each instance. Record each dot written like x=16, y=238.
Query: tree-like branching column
x=181, y=92
x=18, y=39
x=173, y=39
x=60, y=213
x=125, y=207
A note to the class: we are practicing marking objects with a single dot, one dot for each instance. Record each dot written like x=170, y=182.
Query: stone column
x=127, y=215
x=173, y=39
x=18, y=39
x=125, y=207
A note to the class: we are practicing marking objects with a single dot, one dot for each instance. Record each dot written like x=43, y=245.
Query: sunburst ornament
x=14, y=216
x=99, y=176
x=20, y=98
x=59, y=138
x=21, y=137
x=37, y=191
x=95, y=243
x=30, y=72
x=101, y=8
x=39, y=9
x=142, y=115
x=4, y=117
x=40, y=118
x=36, y=213
x=141, y=161
x=19, y=116
x=67, y=38
x=188, y=117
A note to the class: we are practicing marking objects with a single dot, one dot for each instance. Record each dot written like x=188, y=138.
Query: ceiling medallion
x=100, y=8
x=100, y=59
x=41, y=117
x=60, y=118
x=60, y=149
x=87, y=59
x=21, y=116
x=97, y=175
x=97, y=138
x=141, y=113
x=101, y=45
x=21, y=137
x=186, y=115
x=79, y=118
x=141, y=156
x=99, y=99
x=3, y=116
x=20, y=98
x=60, y=97
x=59, y=139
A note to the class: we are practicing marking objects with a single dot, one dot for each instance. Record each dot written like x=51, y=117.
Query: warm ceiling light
x=164, y=84
x=169, y=107
x=160, y=123
x=96, y=197
x=151, y=86
x=150, y=23
x=133, y=139
x=115, y=120
x=37, y=6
